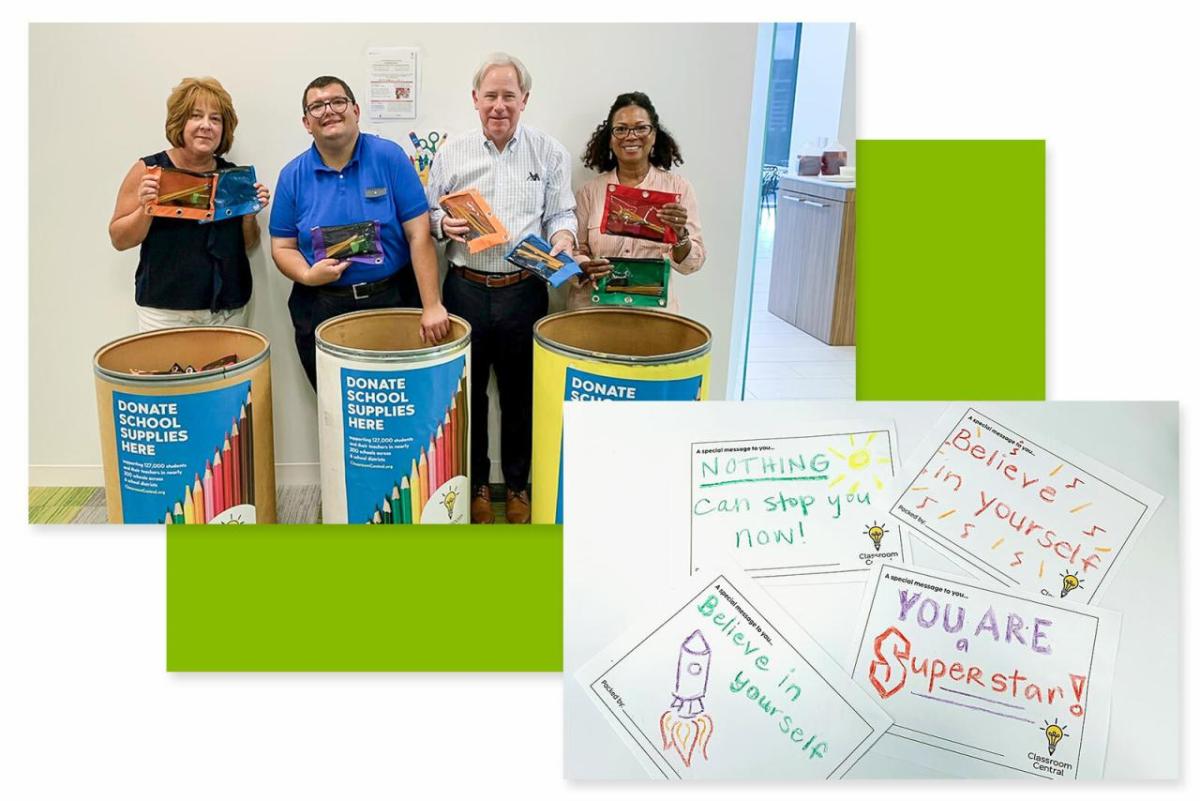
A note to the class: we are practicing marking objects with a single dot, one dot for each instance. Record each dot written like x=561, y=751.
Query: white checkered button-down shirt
x=528, y=187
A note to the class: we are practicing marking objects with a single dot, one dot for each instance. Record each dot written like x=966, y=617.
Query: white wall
x=824, y=86
x=97, y=101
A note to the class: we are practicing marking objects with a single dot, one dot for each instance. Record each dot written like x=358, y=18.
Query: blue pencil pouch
x=235, y=195
x=533, y=254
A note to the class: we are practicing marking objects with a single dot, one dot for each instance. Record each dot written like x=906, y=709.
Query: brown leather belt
x=492, y=280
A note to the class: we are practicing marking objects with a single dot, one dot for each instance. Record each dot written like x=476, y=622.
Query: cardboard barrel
x=606, y=354
x=187, y=447
x=393, y=420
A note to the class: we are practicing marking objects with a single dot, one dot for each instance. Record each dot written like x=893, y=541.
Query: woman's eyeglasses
x=624, y=131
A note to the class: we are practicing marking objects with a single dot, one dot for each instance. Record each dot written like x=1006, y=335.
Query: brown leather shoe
x=481, y=506
x=516, y=507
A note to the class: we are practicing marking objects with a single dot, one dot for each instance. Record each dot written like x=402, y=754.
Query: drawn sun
x=859, y=461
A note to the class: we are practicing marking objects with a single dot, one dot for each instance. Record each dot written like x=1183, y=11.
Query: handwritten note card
x=727, y=686
x=797, y=506
x=983, y=682
x=1020, y=511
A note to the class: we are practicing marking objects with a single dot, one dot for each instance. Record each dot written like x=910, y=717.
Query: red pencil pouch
x=629, y=211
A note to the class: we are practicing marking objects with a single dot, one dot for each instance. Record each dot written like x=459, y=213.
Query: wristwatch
x=686, y=239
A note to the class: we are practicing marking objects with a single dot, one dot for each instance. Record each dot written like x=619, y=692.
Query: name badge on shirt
x=376, y=191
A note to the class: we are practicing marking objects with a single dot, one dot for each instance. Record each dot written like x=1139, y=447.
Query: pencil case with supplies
x=486, y=230
x=634, y=282
x=358, y=242
x=629, y=211
x=533, y=255
x=183, y=194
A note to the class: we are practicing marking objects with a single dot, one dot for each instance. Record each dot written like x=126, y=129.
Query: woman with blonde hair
x=187, y=273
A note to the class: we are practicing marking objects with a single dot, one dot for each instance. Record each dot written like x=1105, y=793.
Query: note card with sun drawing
x=1010, y=506
x=809, y=507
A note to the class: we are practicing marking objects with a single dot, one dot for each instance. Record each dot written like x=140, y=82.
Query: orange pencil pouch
x=486, y=229
x=184, y=194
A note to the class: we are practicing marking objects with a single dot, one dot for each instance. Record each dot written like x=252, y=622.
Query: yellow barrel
x=606, y=354
x=186, y=447
x=394, y=426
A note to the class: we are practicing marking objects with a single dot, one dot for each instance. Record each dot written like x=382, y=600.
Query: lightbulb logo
x=448, y=501
x=875, y=532
x=686, y=727
x=860, y=460
x=1054, y=734
x=1070, y=581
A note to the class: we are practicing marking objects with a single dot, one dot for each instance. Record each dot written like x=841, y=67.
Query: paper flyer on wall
x=392, y=78
x=986, y=683
x=723, y=684
x=1012, y=507
x=811, y=506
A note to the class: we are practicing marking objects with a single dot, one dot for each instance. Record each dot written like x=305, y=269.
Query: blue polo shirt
x=379, y=183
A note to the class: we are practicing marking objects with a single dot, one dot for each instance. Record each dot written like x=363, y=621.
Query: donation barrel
x=187, y=447
x=606, y=354
x=393, y=419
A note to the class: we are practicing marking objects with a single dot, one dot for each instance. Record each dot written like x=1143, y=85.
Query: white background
x=643, y=540
x=87, y=710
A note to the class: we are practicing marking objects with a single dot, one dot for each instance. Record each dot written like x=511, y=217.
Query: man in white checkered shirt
x=525, y=176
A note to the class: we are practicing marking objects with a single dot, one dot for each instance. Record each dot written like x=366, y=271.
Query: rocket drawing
x=691, y=676
x=689, y=726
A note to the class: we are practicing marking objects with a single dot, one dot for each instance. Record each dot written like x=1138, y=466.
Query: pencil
x=236, y=462
x=189, y=506
x=406, y=507
x=377, y=518
x=249, y=408
x=443, y=456
x=464, y=417
x=397, y=506
x=209, y=498
x=414, y=486
x=451, y=450
x=169, y=520
x=218, y=484
x=247, y=461
x=198, y=498
x=423, y=474
x=387, y=512
x=227, y=475
x=178, y=515
x=435, y=468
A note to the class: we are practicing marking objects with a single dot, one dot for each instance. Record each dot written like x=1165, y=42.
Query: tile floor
x=783, y=361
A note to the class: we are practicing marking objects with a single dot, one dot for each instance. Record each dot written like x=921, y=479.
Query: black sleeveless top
x=187, y=266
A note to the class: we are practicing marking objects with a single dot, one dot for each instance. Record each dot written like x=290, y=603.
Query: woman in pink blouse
x=631, y=148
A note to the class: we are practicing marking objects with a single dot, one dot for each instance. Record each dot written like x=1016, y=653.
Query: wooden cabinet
x=812, y=265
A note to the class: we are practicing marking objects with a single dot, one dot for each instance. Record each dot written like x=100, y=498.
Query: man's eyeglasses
x=337, y=105
x=623, y=131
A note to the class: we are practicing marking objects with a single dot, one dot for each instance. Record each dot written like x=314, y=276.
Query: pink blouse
x=589, y=209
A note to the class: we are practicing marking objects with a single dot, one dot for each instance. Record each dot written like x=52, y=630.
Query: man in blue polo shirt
x=348, y=178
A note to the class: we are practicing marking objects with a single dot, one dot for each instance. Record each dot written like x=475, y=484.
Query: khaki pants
x=151, y=319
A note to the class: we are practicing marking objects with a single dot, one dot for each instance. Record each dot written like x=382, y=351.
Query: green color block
x=364, y=598
x=951, y=241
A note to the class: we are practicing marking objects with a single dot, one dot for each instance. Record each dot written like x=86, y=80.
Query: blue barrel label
x=582, y=386
x=405, y=444
x=186, y=458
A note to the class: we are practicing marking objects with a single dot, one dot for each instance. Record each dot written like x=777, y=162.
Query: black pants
x=311, y=306
x=502, y=339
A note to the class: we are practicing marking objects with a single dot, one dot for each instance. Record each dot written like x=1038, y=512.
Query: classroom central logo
x=1052, y=734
